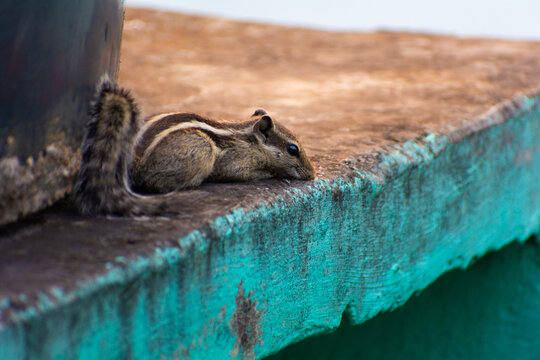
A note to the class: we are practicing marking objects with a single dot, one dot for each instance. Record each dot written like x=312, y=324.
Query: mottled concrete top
x=346, y=95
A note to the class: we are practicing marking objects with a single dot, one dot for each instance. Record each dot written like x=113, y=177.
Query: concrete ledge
x=253, y=267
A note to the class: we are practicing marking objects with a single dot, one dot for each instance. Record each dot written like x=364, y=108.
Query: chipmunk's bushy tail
x=102, y=185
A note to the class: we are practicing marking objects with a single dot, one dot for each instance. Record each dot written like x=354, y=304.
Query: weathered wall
x=253, y=281
x=489, y=311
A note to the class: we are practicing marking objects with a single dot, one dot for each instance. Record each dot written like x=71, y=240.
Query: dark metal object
x=52, y=53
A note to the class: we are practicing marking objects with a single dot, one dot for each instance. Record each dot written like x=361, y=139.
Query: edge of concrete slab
x=253, y=281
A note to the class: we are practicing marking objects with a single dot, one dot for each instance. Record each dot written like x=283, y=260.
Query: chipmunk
x=174, y=151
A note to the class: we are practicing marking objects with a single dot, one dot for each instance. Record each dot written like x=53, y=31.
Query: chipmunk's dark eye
x=292, y=149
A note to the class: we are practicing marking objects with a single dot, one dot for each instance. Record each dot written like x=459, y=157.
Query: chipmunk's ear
x=259, y=112
x=262, y=128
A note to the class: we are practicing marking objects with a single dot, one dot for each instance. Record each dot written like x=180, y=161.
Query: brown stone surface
x=346, y=95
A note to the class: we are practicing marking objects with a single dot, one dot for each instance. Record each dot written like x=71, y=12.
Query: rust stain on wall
x=245, y=324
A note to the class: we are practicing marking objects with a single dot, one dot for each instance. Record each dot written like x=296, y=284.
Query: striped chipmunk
x=123, y=161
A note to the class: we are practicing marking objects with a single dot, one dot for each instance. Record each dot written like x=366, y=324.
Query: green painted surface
x=489, y=311
x=253, y=282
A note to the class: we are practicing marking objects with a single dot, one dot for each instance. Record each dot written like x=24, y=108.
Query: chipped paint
x=489, y=311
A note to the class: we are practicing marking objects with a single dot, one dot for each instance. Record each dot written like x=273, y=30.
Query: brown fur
x=174, y=152
x=241, y=151
x=102, y=184
x=186, y=157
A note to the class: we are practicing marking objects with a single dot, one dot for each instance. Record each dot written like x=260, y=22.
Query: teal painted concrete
x=253, y=282
x=489, y=311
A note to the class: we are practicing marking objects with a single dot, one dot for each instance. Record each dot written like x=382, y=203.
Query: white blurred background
x=518, y=19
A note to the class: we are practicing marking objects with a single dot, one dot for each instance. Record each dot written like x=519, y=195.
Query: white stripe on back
x=184, y=126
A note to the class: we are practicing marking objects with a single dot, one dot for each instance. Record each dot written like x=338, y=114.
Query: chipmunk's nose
x=306, y=173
